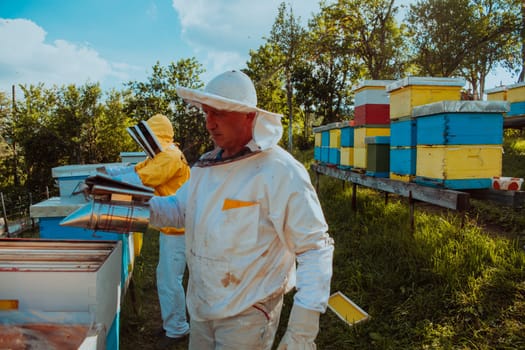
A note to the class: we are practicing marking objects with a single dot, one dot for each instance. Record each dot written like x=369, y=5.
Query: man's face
x=229, y=130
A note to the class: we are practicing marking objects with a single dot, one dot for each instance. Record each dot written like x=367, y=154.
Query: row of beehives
x=418, y=129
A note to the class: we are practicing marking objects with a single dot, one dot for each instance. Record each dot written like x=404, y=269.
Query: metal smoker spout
x=109, y=217
x=114, y=207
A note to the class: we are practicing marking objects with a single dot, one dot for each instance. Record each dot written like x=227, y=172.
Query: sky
x=115, y=41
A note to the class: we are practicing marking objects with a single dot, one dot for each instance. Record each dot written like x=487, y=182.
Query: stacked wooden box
x=498, y=93
x=347, y=145
x=406, y=94
x=516, y=99
x=459, y=143
x=377, y=156
x=328, y=143
x=371, y=116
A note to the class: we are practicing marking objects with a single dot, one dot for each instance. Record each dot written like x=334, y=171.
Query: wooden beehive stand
x=434, y=103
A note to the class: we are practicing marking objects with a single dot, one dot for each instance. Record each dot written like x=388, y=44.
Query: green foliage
x=158, y=95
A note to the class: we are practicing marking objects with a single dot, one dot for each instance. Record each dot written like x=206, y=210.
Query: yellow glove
x=302, y=330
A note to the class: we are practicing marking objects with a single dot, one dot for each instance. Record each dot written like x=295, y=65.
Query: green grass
x=456, y=282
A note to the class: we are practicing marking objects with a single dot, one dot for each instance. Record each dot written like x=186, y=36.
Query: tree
x=287, y=36
x=463, y=37
x=158, y=95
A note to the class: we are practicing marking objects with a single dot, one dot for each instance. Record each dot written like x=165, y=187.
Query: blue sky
x=115, y=41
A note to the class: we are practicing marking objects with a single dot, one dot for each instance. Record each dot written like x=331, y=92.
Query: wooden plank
x=450, y=199
x=514, y=199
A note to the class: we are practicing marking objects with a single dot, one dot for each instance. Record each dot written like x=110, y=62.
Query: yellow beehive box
x=497, y=94
x=399, y=177
x=516, y=92
x=361, y=133
x=347, y=156
x=335, y=138
x=459, y=162
x=360, y=157
x=317, y=139
x=416, y=91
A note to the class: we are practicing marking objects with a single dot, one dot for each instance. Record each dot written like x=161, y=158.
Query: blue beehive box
x=347, y=136
x=317, y=153
x=516, y=108
x=325, y=138
x=460, y=122
x=334, y=156
x=403, y=160
x=325, y=158
x=403, y=133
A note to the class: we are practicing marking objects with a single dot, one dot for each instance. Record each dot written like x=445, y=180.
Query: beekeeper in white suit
x=250, y=212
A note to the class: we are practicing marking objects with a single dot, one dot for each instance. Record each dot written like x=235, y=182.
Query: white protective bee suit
x=247, y=221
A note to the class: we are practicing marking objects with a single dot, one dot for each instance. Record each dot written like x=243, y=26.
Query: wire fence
x=15, y=216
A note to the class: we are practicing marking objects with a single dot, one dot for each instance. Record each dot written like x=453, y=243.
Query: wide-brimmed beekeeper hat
x=234, y=91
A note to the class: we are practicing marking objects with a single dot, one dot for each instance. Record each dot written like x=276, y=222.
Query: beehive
x=460, y=122
x=403, y=161
x=347, y=136
x=347, y=157
x=69, y=278
x=458, y=167
x=360, y=133
x=377, y=156
x=372, y=105
x=328, y=152
x=498, y=93
x=516, y=92
x=403, y=132
x=409, y=92
x=51, y=211
x=516, y=98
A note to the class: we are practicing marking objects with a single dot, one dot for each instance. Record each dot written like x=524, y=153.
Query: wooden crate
x=409, y=92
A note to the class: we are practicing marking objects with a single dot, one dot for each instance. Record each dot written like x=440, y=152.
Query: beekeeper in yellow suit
x=254, y=228
x=165, y=170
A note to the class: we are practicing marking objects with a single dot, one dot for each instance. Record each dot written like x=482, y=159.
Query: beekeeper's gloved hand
x=303, y=326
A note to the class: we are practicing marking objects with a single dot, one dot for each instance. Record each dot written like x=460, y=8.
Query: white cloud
x=222, y=32
x=26, y=58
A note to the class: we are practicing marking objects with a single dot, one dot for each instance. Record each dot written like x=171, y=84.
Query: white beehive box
x=55, y=276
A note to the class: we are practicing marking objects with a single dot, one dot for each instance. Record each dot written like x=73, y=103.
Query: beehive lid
x=57, y=206
x=372, y=83
x=430, y=81
x=496, y=89
x=377, y=139
x=515, y=86
x=460, y=107
x=78, y=169
x=336, y=125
